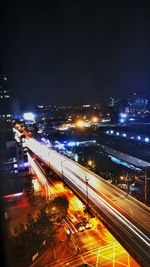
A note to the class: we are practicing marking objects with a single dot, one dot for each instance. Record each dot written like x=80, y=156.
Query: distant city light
x=24, y=165
x=123, y=115
x=29, y=116
x=105, y=120
x=146, y=139
x=86, y=106
x=117, y=133
x=94, y=119
x=124, y=135
x=76, y=157
x=90, y=162
x=40, y=106
x=122, y=120
x=60, y=146
x=80, y=123
x=72, y=143
x=139, y=137
x=111, y=131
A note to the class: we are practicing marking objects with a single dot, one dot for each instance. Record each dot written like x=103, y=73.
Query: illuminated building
x=5, y=105
x=136, y=104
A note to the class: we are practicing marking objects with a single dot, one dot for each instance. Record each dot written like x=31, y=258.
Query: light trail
x=130, y=216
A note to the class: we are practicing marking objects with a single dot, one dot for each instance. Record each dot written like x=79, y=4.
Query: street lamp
x=90, y=162
x=145, y=185
x=122, y=178
x=62, y=167
x=87, y=193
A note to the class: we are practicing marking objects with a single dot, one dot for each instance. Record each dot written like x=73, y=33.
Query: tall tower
x=5, y=104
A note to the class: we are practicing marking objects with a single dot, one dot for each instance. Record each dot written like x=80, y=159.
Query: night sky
x=73, y=52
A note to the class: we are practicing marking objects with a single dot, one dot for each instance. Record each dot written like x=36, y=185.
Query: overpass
x=127, y=218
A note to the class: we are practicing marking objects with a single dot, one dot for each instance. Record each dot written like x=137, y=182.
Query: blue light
x=117, y=133
x=122, y=120
x=111, y=131
x=29, y=116
x=146, y=139
x=124, y=135
x=59, y=145
x=123, y=115
x=71, y=143
x=43, y=139
x=139, y=137
x=23, y=164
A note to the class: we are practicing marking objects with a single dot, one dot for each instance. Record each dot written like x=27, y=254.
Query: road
x=126, y=217
x=89, y=244
x=128, y=222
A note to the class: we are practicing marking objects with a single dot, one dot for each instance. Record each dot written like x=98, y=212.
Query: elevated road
x=127, y=218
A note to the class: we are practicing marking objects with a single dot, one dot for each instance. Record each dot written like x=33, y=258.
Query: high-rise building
x=136, y=104
x=5, y=104
x=111, y=101
x=15, y=108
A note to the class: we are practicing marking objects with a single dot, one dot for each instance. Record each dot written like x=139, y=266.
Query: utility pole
x=62, y=172
x=145, y=186
x=128, y=184
x=87, y=193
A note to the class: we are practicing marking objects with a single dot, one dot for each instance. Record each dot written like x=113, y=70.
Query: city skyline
x=75, y=133
x=73, y=53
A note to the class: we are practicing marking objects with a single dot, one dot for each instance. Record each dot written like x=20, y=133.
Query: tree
x=31, y=236
x=57, y=209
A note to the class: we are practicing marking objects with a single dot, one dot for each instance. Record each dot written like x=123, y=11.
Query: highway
x=127, y=218
x=96, y=248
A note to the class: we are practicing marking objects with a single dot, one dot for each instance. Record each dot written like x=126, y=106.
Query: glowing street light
x=94, y=119
x=121, y=178
x=80, y=123
x=90, y=162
